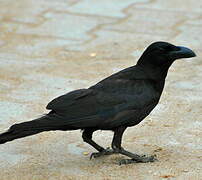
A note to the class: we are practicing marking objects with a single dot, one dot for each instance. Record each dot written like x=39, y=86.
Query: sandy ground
x=48, y=48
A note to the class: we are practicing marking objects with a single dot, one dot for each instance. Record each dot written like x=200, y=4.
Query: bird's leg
x=116, y=146
x=116, y=142
x=87, y=137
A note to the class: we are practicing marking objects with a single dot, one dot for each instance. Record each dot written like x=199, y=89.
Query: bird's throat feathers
x=155, y=72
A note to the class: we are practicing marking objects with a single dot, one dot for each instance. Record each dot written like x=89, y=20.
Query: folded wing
x=102, y=106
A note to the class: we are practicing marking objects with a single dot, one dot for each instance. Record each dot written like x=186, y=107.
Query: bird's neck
x=157, y=73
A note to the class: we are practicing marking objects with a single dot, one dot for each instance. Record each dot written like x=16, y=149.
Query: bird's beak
x=182, y=52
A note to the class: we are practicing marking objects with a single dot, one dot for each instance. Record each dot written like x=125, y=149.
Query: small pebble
x=93, y=54
x=85, y=153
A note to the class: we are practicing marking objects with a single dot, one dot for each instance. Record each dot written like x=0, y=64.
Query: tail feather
x=45, y=123
x=11, y=135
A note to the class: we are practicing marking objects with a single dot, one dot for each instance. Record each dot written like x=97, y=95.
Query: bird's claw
x=107, y=151
x=140, y=159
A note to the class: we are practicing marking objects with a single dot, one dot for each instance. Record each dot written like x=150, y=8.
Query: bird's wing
x=103, y=90
x=84, y=98
x=100, y=105
x=84, y=107
x=68, y=99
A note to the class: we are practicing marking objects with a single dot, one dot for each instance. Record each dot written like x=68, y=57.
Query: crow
x=119, y=101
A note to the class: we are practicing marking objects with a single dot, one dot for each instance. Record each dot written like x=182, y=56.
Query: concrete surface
x=48, y=48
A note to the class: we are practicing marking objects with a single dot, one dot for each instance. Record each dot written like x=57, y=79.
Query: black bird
x=121, y=100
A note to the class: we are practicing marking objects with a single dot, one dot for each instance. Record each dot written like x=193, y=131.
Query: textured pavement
x=48, y=48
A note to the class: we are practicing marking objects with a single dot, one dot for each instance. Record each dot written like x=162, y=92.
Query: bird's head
x=163, y=53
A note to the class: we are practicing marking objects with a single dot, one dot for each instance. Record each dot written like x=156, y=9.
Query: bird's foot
x=139, y=159
x=106, y=151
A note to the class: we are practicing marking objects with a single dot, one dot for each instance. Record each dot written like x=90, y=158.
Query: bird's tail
x=44, y=123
